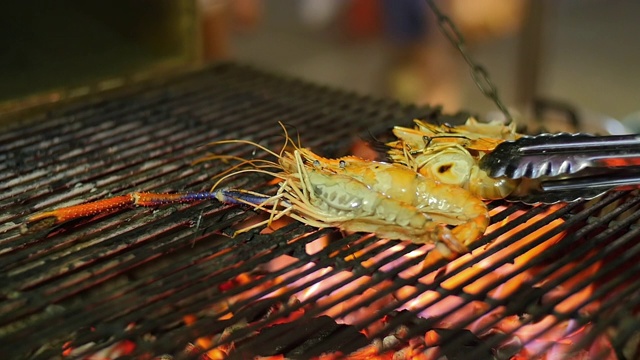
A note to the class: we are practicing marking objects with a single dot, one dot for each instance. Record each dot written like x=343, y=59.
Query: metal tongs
x=566, y=167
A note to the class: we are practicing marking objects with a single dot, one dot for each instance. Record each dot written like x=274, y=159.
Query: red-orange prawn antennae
x=54, y=217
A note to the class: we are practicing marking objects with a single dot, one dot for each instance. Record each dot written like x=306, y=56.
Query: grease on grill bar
x=558, y=281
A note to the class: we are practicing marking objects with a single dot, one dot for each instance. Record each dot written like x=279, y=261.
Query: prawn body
x=389, y=200
x=451, y=154
x=343, y=202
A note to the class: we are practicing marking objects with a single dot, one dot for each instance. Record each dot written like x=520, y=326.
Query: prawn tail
x=47, y=219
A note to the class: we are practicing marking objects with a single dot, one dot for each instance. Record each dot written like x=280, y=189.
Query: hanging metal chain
x=478, y=72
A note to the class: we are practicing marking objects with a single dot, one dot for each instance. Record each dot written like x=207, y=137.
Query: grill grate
x=136, y=275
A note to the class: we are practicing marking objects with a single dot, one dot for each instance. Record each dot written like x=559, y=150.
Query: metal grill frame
x=88, y=280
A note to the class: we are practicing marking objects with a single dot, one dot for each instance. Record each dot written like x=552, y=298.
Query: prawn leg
x=58, y=216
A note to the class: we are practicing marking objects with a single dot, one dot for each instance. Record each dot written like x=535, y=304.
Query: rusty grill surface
x=136, y=274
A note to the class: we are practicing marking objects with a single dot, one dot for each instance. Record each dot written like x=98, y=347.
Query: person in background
x=406, y=29
x=219, y=18
x=425, y=67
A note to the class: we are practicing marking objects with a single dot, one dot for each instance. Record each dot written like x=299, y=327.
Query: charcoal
x=259, y=310
x=297, y=340
x=468, y=343
x=467, y=340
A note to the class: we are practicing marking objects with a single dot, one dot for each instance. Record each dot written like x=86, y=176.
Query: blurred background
x=582, y=53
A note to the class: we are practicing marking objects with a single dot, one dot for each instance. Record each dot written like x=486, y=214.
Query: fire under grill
x=169, y=282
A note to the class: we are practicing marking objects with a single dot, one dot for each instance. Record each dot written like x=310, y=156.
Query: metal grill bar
x=517, y=305
x=608, y=269
x=136, y=275
x=398, y=283
x=294, y=338
x=399, y=321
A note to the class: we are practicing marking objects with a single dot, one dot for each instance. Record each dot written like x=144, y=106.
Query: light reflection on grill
x=153, y=281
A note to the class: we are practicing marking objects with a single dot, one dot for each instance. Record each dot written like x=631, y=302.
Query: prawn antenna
x=298, y=143
x=47, y=219
x=376, y=144
x=253, y=153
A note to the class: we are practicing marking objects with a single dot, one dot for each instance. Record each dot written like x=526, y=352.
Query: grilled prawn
x=389, y=200
x=451, y=154
x=349, y=193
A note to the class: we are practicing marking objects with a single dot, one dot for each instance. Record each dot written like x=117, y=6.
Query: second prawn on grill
x=390, y=200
